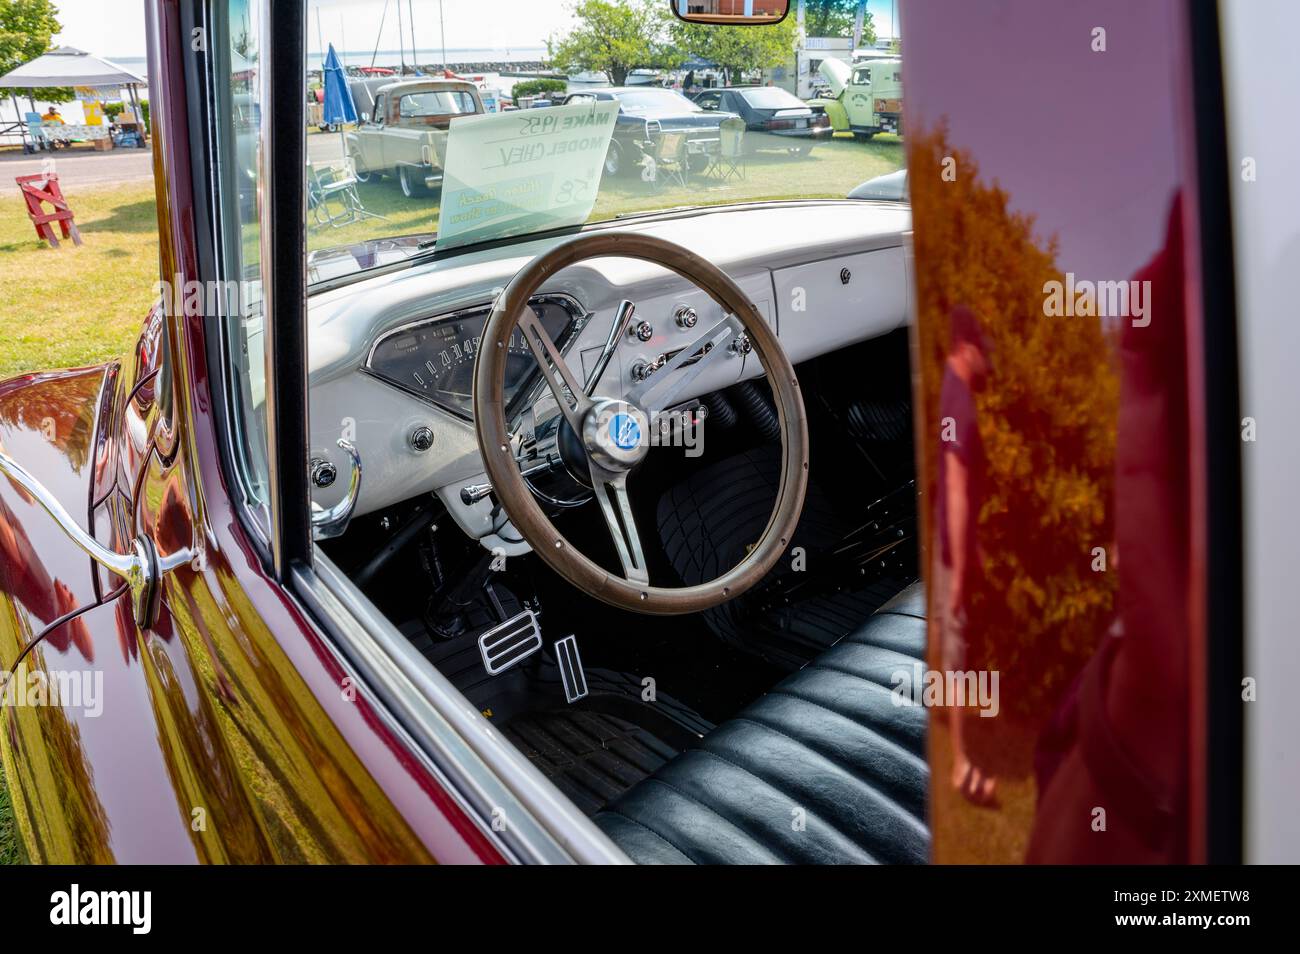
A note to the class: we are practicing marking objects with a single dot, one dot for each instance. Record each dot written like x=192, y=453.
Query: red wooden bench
x=39, y=189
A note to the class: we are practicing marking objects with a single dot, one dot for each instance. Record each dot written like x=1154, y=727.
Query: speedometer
x=434, y=358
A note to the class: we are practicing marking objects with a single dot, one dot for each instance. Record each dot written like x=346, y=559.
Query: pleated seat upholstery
x=826, y=768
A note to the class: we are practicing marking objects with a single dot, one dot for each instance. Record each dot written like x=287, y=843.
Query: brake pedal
x=510, y=642
x=571, y=673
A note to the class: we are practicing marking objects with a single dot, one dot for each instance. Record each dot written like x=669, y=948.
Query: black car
x=645, y=114
x=771, y=111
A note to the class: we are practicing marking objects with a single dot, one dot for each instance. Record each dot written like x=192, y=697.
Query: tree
x=1049, y=427
x=614, y=37
x=835, y=18
x=26, y=29
x=737, y=49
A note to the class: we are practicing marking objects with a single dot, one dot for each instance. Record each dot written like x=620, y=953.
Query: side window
x=238, y=115
x=381, y=109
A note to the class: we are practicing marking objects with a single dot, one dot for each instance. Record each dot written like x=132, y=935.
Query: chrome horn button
x=616, y=434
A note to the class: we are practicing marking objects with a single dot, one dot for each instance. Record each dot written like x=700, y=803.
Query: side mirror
x=731, y=12
x=365, y=117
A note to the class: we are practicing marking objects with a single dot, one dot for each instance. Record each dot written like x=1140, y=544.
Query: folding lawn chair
x=335, y=183
x=730, y=161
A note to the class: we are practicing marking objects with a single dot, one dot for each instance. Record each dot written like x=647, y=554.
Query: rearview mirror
x=731, y=12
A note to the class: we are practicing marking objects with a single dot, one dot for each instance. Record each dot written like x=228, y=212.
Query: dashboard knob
x=643, y=331
x=323, y=473
x=421, y=438
x=687, y=317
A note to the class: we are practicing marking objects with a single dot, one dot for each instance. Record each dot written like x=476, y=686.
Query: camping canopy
x=67, y=66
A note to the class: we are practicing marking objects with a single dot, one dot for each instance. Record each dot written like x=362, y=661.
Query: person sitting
x=52, y=117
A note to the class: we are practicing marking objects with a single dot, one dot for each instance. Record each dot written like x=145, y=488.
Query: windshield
x=770, y=97
x=636, y=101
x=575, y=118
x=434, y=104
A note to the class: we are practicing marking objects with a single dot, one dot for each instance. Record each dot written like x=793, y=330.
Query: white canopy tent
x=68, y=66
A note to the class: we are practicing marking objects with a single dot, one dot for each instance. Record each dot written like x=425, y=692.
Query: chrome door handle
x=142, y=568
x=334, y=521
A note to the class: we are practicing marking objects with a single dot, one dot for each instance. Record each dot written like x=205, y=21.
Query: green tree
x=737, y=49
x=614, y=37
x=835, y=18
x=26, y=28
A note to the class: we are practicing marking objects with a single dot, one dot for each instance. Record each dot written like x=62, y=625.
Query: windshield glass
x=657, y=100
x=770, y=97
x=434, y=104
x=572, y=116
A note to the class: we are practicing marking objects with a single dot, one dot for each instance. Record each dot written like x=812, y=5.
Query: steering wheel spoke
x=660, y=389
x=569, y=394
x=611, y=491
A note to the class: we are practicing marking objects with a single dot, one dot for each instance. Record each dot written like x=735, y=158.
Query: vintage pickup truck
x=866, y=98
x=405, y=134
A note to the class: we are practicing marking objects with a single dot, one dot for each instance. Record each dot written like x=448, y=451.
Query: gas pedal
x=571, y=673
x=510, y=642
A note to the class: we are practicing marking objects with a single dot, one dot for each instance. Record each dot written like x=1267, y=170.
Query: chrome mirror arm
x=326, y=524
x=141, y=568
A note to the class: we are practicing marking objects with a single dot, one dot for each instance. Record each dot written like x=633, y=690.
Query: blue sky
x=510, y=23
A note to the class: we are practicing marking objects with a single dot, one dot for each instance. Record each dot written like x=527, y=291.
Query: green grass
x=10, y=853
x=73, y=306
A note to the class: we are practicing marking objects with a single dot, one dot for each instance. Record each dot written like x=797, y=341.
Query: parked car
x=645, y=113
x=405, y=133
x=892, y=186
x=777, y=118
x=993, y=535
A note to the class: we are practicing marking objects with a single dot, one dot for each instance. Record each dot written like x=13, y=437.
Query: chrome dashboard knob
x=686, y=317
x=421, y=438
x=323, y=473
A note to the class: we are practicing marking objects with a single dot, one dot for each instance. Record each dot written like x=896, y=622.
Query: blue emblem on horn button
x=625, y=431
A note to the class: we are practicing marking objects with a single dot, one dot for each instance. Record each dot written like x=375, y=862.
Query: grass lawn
x=9, y=853
x=73, y=306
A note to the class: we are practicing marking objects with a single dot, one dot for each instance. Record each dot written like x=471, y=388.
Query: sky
x=510, y=23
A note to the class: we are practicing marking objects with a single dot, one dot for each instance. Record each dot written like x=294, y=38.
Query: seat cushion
x=826, y=768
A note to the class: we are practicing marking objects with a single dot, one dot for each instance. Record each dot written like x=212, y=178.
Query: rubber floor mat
x=591, y=757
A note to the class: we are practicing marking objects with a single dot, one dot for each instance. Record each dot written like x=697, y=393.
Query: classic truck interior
x=761, y=726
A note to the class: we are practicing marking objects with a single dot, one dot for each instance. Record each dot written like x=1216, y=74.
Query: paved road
x=79, y=167
x=82, y=167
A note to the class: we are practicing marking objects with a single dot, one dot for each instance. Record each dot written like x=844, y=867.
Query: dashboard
x=391, y=355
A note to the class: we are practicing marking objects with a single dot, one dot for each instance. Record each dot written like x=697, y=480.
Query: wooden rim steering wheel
x=614, y=431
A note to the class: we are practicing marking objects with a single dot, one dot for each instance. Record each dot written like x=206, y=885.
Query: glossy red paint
x=1070, y=161
x=225, y=732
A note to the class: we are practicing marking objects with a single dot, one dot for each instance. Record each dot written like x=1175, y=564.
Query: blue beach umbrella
x=339, y=107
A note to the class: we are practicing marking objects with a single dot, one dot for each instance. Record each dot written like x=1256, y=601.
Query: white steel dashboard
x=826, y=274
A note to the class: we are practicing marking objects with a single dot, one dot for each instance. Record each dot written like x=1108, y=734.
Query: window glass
x=771, y=98
x=417, y=105
x=378, y=187
x=238, y=116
